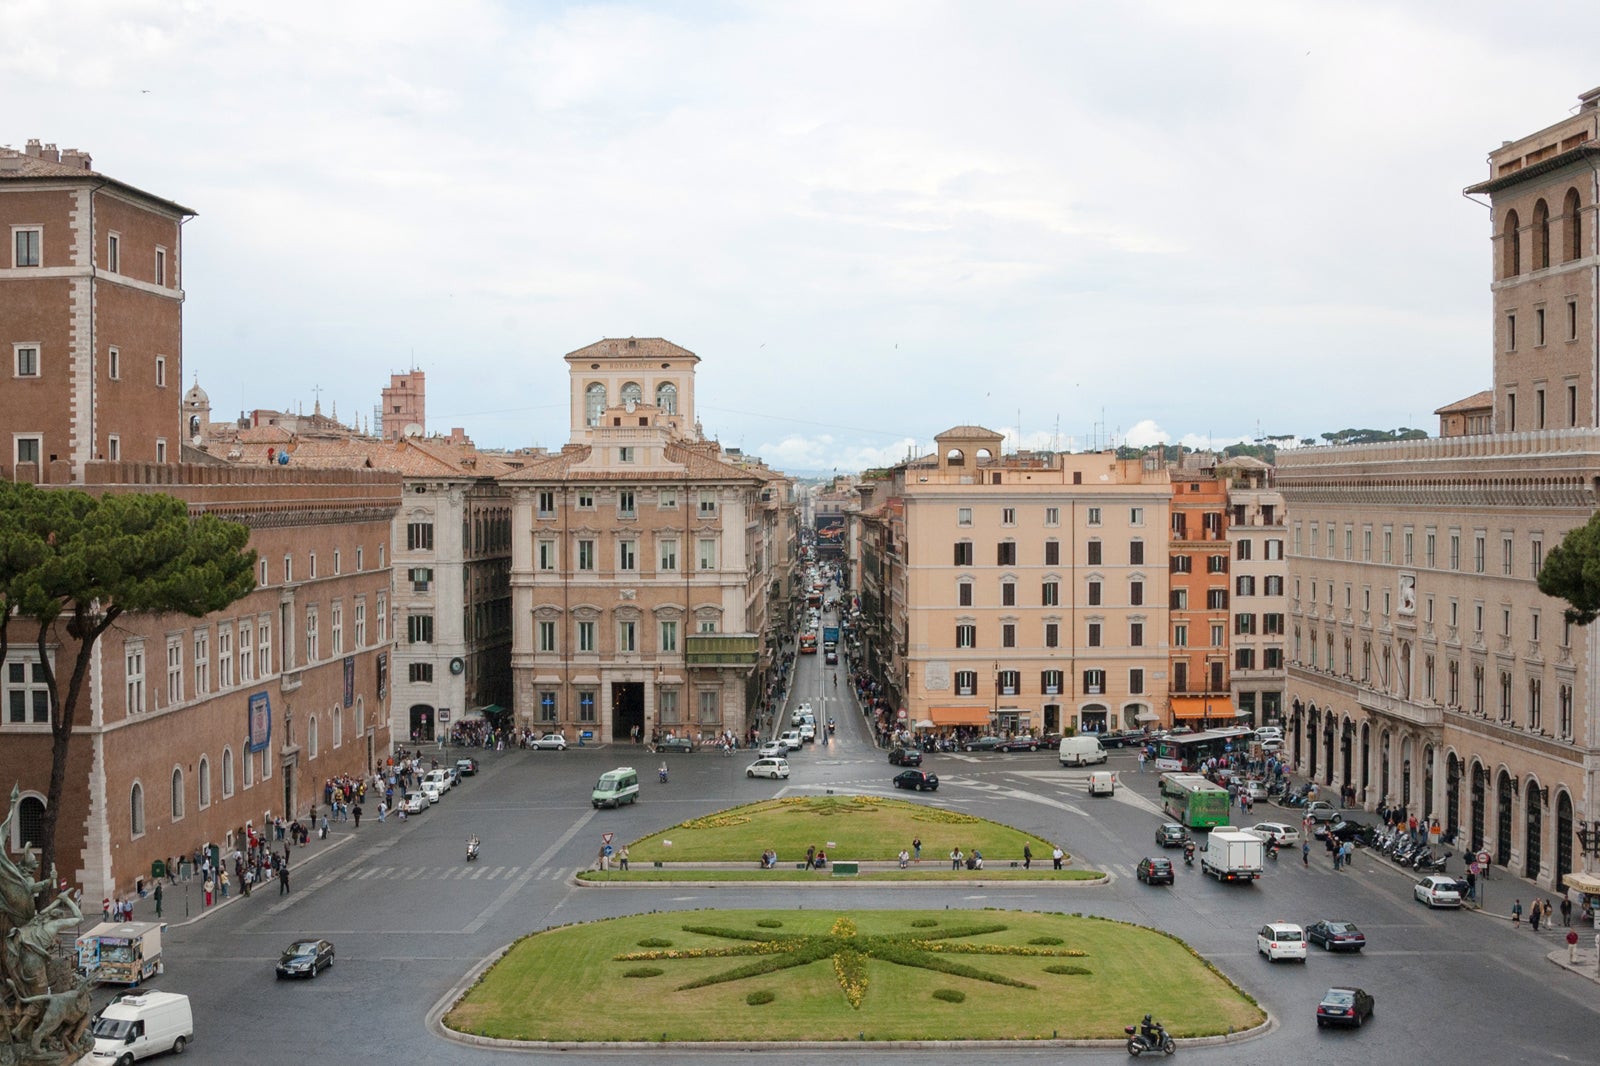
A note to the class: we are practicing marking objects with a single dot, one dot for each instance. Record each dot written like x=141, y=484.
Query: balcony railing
x=721, y=649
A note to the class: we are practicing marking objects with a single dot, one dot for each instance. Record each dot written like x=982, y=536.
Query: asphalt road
x=410, y=917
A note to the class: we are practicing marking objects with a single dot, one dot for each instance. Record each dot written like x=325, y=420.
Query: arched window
x=632, y=393
x=667, y=397
x=136, y=809
x=1510, y=247
x=1541, y=235
x=177, y=793
x=311, y=738
x=594, y=403
x=27, y=827
x=1573, y=210
x=338, y=726
x=227, y=772
x=205, y=782
x=249, y=766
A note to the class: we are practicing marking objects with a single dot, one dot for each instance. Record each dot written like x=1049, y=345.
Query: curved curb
x=1093, y=882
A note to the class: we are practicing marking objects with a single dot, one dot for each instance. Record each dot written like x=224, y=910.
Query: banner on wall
x=259, y=727
x=349, y=680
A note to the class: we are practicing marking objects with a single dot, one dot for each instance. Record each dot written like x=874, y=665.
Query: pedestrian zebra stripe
x=444, y=873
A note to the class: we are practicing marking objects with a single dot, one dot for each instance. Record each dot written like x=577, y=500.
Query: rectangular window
x=1216, y=599
x=1008, y=635
x=420, y=577
x=225, y=657
x=585, y=554
x=1136, y=681
x=627, y=555
x=669, y=555
x=1050, y=594
x=1505, y=556
x=1219, y=634
x=1008, y=516
x=1180, y=599
x=1136, y=634
x=26, y=245
x=1180, y=636
x=1136, y=593
x=419, y=536
x=1008, y=594
x=547, y=636
x=161, y=371
x=710, y=707
x=1050, y=682
x=586, y=637
x=161, y=266
x=1094, y=552
x=1006, y=553
x=27, y=696
x=1246, y=585
x=585, y=499
x=708, y=502
x=361, y=624
x=1272, y=658
x=624, y=455
x=113, y=253
x=419, y=628
x=133, y=663
x=1052, y=553
x=419, y=673
x=667, y=499
x=1216, y=564
x=1136, y=553
x=1479, y=550
x=1181, y=564
x=1272, y=585
x=1094, y=516
x=547, y=707
x=627, y=636
x=27, y=360
x=114, y=364
x=1052, y=516
x=547, y=503
x=113, y=447
x=627, y=506
x=381, y=610
x=1094, y=593
x=1244, y=624
x=202, y=663
x=1136, y=516
x=585, y=707
x=546, y=553
x=174, y=670
x=1536, y=557
x=963, y=553
x=1455, y=551
x=1538, y=327
x=966, y=635
x=706, y=553
x=966, y=682
x=1511, y=333
x=1244, y=659
x=1242, y=551
x=1408, y=548
x=964, y=593
x=963, y=516
x=669, y=636
x=1052, y=635
x=1094, y=682
x=1429, y=546
x=247, y=654
x=1094, y=634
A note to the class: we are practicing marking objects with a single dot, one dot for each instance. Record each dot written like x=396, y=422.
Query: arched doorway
x=1563, y=838
x=1427, y=781
x=1347, y=740
x=1383, y=767
x=1502, y=797
x=422, y=722
x=1296, y=720
x=1480, y=801
x=1366, y=761
x=1328, y=730
x=1405, y=775
x=1312, y=722
x=1452, y=791
x=1533, y=844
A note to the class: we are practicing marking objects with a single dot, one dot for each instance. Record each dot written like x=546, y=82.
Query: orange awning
x=959, y=715
x=1193, y=708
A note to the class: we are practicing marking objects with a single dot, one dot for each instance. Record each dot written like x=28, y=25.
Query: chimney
x=75, y=159
x=1590, y=100
x=50, y=154
x=32, y=147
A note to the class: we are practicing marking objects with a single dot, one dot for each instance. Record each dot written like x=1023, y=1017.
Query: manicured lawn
x=846, y=827
x=926, y=872
x=571, y=984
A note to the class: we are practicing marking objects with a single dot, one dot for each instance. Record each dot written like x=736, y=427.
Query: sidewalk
x=1585, y=964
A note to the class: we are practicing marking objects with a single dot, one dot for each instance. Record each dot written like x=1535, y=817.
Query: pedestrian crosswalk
x=464, y=872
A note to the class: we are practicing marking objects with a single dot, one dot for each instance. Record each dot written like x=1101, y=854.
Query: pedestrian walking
x=222, y=883
x=1305, y=853
x=1535, y=912
x=158, y=899
x=1516, y=914
x=356, y=811
x=1056, y=855
x=1349, y=853
x=283, y=878
x=209, y=887
x=1566, y=909
x=1141, y=762
x=1027, y=863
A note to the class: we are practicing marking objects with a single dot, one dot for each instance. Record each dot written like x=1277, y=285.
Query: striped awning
x=1194, y=708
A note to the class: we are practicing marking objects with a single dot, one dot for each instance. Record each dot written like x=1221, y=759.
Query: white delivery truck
x=123, y=953
x=1081, y=751
x=1102, y=783
x=1232, y=854
x=136, y=1026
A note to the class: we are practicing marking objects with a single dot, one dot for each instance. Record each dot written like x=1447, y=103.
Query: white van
x=1081, y=751
x=1102, y=783
x=615, y=788
x=140, y=1025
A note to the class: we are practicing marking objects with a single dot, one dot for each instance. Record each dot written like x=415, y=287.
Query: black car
x=1343, y=829
x=1154, y=870
x=1123, y=738
x=683, y=744
x=982, y=744
x=466, y=767
x=304, y=958
x=1019, y=743
x=1344, y=1006
x=1171, y=835
x=917, y=779
x=905, y=757
x=1336, y=936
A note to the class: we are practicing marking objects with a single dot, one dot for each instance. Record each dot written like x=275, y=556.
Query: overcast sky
x=1078, y=222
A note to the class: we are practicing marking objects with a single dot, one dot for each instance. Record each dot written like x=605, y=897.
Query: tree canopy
x=1571, y=571
x=76, y=562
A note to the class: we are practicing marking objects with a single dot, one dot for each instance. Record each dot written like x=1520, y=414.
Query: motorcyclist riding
x=663, y=773
x=1188, y=860
x=1151, y=1031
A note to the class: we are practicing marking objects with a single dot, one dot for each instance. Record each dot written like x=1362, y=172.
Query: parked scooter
x=1148, y=1036
x=472, y=848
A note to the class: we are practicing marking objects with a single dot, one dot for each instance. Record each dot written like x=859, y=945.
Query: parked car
x=1025, y=742
x=1285, y=834
x=1271, y=746
x=549, y=742
x=917, y=779
x=1154, y=870
x=798, y=715
x=304, y=958
x=982, y=744
x=773, y=749
x=413, y=802
x=466, y=767
x=1123, y=738
x=1254, y=788
x=773, y=768
x=684, y=745
x=429, y=790
x=1171, y=835
x=1344, y=1006
x=441, y=779
x=1360, y=832
x=1436, y=890
x=791, y=740
x=808, y=730
x=1281, y=940
x=1336, y=936
x=1321, y=811
x=905, y=757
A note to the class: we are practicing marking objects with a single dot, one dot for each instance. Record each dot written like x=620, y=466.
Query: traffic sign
x=605, y=838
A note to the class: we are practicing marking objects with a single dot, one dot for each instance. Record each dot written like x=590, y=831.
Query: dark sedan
x=1343, y=829
x=917, y=779
x=1336, y=936
x=1124, y=738
x=466, y=767
x=1155, y=870
x=1171, y=835
x=681, y=744
x=1022, y=743
x=1344, y=1006
x=905, y=757
x=982, y=744
x=304, y=958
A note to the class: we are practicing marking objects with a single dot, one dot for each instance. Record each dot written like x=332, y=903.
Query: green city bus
x=1194, y=801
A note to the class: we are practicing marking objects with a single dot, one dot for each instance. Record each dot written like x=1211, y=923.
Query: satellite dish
x=411, y=430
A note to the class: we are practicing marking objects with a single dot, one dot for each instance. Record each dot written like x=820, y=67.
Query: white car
x=1269, y=732
x=800, y=714
x=808, y=731
x=1281, y=940
x=773, y=768
x=1438, y=891
x=1271, y=747
x=791, y=740
x=773, y=749
x=440, y=779
x=414, y=803
x=1285, y=834
x=1256, y=790
x=429, y=791
x=549, y=742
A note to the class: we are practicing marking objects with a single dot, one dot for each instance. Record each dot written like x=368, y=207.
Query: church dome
x=196, y=397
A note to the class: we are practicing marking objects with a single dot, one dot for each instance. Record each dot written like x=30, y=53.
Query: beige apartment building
x=1259, y=634
x=1427, y=670
x=1017, y=593
x=645, y=560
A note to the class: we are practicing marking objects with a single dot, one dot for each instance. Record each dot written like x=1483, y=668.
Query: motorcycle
x=1272, y=850
x=472, y=849
x=1188, y=853
x=663, y=773
x=1155, y=1040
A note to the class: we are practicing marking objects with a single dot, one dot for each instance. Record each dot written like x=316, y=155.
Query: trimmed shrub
x=760, y=996
x=655, y=942
x=1047, y=940
x=770, y=923
x=1069, y=971
x=950, y=995
x=924, y=923
x=645, y=971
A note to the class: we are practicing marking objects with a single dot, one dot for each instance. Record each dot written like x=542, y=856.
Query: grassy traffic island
x=781, y=975
x=868, y=831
